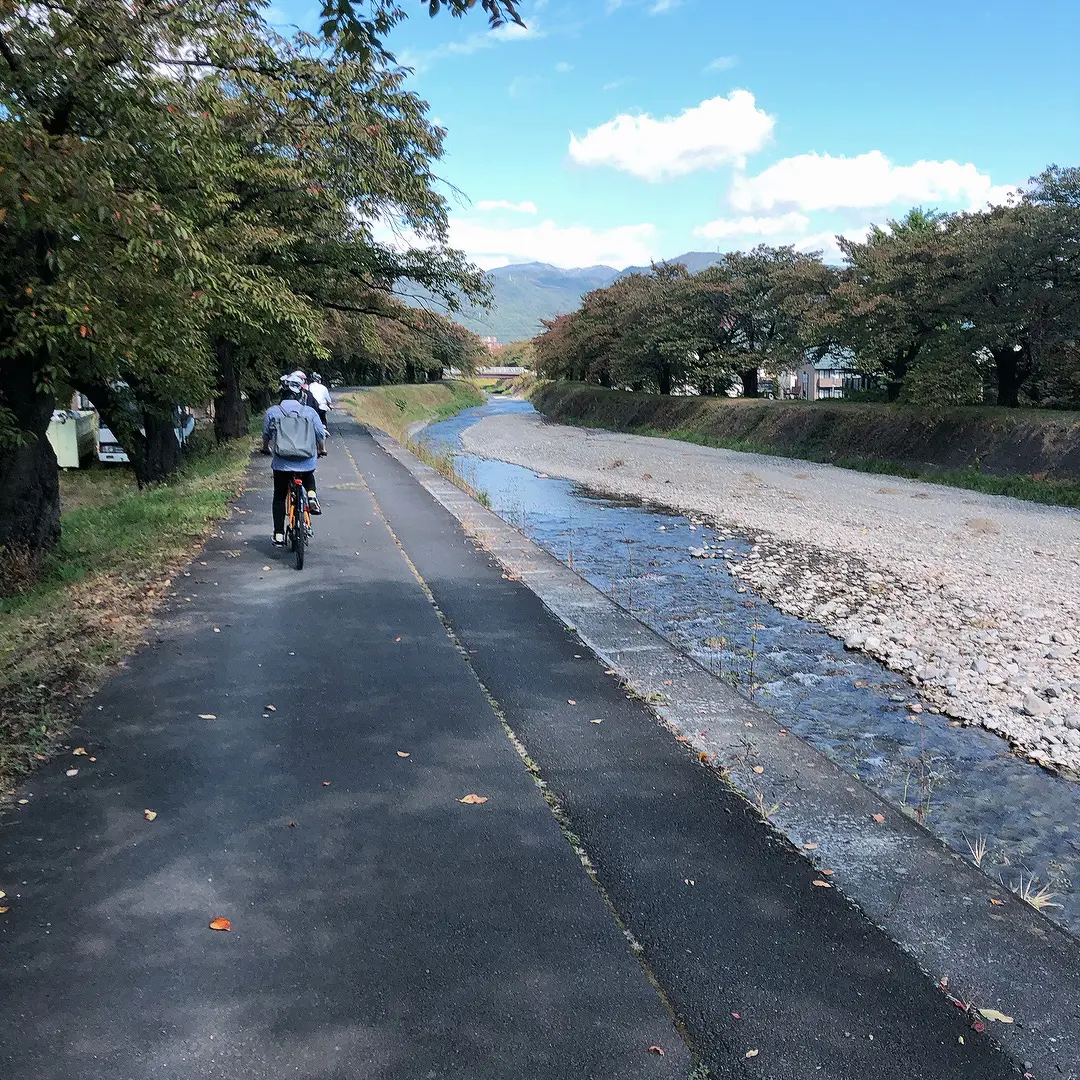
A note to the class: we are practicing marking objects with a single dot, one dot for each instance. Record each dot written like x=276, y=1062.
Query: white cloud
x=661, y=7
x=567, y=246
x=826, y=243
x=781, y=225
x=561, y=245
x=616, y=84
x=475, y=42
x=718, y=131
x=824, y=182
x=722, y=63
x=562, y=67
x=525, y=207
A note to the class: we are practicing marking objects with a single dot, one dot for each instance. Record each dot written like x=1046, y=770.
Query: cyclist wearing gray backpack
x=296, y=437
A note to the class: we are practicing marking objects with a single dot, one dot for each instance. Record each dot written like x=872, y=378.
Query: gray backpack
x=294, y=436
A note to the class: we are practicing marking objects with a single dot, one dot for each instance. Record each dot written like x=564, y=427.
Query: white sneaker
x=279, y=539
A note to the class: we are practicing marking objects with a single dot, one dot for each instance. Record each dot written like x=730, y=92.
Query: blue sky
x=619, y=131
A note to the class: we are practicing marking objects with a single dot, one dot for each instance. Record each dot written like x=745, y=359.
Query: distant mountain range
x=525, y=293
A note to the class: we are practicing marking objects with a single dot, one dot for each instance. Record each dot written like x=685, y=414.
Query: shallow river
x=961, y=782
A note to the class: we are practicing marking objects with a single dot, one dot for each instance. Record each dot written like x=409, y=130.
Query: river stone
x=1034, y=705
x=1072, y=721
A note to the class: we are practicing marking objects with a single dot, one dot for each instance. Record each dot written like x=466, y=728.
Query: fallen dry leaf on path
x=402, y=753
x=266, y=567
x=149, y=814
x=473, y=800
x=736, y=1016
x=220, y=924
x=270, y=708
x=979, y=1025
x=570, y=701
x=207, y=716
x=809, y=847
x=2, y=894
x=759, y=768
x=596, y=721
x=827, y=873
x=4, y=910
x=656, y=1050
x=995, y=900
x=751, y=1053
x=216, y=630
x=327, y=783
x=704, y=757
x=821, y=884
x=879, y=818
x=79, y=751
x=72, y=772
x=993, y=1014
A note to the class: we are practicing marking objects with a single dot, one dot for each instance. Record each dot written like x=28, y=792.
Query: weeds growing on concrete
x=978, y=850
x=1040, y=897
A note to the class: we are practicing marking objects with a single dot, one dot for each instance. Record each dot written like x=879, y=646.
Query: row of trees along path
x=187, y=202
x=940, y=308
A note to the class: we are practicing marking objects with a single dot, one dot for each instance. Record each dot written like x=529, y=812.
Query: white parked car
x=110, y=450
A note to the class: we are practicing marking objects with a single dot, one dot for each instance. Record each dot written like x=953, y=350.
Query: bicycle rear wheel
x=300, y=526
x=290, y=517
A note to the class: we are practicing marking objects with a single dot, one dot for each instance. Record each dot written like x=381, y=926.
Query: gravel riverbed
x=975, y=598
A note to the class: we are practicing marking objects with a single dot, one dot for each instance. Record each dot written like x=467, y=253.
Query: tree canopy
x=188, y=200
x=933, y=308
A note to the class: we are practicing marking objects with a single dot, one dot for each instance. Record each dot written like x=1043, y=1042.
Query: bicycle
x=297, y=519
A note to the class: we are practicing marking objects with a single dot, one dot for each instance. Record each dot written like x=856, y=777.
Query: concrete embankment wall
x=999, y=442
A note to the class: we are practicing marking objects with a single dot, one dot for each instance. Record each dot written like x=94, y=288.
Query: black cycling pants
x=282, y=480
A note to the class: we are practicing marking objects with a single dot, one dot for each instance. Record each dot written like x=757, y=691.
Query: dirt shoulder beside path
x=976, y=598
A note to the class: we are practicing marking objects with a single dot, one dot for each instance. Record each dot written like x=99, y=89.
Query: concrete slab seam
x=558, y=812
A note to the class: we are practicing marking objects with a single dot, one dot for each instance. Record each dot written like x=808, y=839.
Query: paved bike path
x=380, y=928
x=771, y=976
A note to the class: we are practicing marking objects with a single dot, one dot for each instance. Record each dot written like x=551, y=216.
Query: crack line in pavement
x=558, y=811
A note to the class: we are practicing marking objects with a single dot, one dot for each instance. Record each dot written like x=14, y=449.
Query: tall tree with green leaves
x=771, y=293
x=1019, y=292
x=138, y=228
x=895, y=294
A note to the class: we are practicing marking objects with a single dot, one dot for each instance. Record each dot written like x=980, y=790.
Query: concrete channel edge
x=985, y=947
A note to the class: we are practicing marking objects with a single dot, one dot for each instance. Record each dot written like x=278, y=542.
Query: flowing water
x=961, y=782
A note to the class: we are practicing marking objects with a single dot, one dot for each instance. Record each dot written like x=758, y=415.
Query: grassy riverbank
x=119, y=550
x=398, y=409
x=1028, y=454
x=395, y=409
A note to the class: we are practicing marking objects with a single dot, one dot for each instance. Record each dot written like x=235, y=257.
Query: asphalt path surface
x=380, y=927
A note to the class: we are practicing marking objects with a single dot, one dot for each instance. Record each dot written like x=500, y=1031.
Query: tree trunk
x=160, y=456
x=892, y=389
x=1009, y=375
x=663, y=378
x=29, y=479
x=230, y=410
x=260, y=399
x=749, y=379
